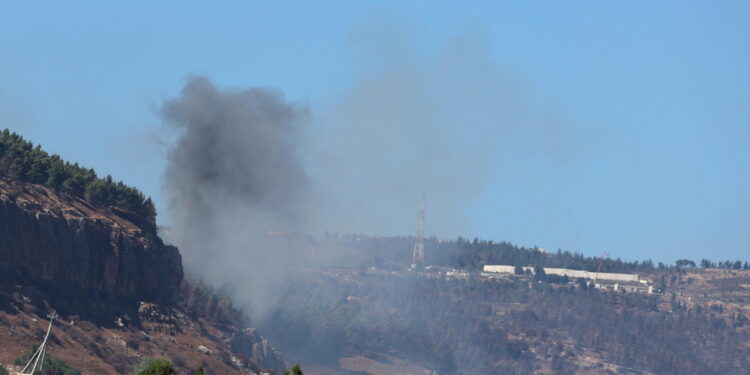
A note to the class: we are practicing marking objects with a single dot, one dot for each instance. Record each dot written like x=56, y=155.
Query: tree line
x=22, y=160
x=461, y=253
x=727, y=264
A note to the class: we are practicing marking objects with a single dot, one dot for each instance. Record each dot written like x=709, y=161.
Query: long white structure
x=568, y=272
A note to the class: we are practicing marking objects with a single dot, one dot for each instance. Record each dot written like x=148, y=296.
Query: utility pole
x=418, y=254
x=36, y=361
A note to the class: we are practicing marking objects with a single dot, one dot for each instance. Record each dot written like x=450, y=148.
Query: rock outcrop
x=116, y=285
x=83, y=252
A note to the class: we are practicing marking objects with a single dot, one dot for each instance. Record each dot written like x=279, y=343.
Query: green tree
x=539, y=274
x=154, y=367
x=97, y=192
x=296, y=370
x=200, y=371
x=56, y=173
x=74, y=185
x=3, y=371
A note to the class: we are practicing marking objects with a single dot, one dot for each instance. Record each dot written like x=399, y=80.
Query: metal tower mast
x=418, y=255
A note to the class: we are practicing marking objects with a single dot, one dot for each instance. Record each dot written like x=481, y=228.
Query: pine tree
x=296, y=370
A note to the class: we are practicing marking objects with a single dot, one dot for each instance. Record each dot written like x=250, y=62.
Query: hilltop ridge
x=24, y=162
x=88, y=248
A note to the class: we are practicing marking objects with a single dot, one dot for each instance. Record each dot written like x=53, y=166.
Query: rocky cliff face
x=79, y=250
x=118, y=289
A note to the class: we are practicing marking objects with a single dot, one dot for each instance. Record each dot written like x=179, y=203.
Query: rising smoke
x=234, y=175
x=246, y=162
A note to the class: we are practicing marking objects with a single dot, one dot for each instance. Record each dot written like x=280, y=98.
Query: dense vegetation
x=524, y=325
x=24, y=161
x=503, y=327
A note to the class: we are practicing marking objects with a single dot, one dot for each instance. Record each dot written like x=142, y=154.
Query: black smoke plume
x=234, y=177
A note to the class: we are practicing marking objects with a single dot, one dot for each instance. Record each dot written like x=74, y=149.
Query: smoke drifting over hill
x=234, y=174
x=246, y=161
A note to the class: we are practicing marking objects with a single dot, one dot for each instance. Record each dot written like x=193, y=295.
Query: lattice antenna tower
x=418, y=254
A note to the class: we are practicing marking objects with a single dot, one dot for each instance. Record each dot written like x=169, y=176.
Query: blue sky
x=653, y=155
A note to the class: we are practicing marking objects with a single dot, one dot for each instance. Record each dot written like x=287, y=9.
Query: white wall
x=568, y=272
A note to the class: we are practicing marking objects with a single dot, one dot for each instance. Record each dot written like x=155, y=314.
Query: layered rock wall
x=65, y=242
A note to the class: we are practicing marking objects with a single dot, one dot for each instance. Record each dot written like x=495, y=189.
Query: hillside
x=123, y=298
x=87, y=248
x=154, y=332
x=377, y=320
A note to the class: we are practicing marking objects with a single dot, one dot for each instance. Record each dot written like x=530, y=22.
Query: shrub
x=296, y=370
x=154, y=367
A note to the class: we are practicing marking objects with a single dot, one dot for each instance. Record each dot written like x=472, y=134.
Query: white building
x=568, y=272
